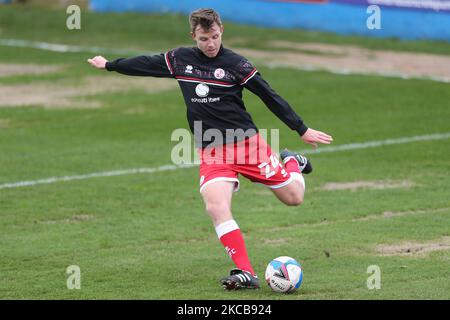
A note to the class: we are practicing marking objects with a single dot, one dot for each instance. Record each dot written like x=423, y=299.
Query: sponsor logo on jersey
x=205, y=100
x=202, y=90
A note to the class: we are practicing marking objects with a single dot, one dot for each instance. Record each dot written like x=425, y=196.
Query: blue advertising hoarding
x=425, y=5
x=404, y=19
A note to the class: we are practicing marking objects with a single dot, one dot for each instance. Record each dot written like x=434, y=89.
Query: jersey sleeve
x=280, y=107
x=244, y=71
x=150, y=66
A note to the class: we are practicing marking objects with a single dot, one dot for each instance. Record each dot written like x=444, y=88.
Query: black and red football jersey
x=212, y=90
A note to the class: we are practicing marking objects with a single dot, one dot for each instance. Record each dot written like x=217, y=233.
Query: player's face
x=209, y=42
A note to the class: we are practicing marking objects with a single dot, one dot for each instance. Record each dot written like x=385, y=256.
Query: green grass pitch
x=147, y=236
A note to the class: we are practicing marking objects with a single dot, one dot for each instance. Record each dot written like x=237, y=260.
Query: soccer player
x=212, y=79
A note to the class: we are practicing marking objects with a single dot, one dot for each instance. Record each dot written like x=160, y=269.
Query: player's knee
x=217, y=209
x=295, y=199
x=294, y=202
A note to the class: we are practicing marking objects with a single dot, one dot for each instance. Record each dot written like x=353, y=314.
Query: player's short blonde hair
x=204, y=17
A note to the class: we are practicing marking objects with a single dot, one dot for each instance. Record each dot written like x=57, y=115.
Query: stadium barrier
x=404, y=19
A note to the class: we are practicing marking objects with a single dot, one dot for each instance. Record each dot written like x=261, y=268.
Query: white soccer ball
x=284, y=274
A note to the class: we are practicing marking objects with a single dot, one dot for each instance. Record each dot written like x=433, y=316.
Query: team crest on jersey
x=219, y=73
x=188, y=69
x=202, y=90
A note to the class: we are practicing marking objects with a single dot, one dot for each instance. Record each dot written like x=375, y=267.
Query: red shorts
x=252, y=158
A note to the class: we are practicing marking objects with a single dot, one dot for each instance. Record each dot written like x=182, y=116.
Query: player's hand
x=313, y=137
x=99, y=62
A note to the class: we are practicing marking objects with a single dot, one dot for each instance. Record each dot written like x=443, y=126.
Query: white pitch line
x=93, y=175
x=345, y=72
x=58, y=47
x=373, y=144
x=344, y=147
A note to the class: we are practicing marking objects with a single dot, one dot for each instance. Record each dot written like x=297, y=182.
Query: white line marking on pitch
x=345, y=72
x=373, y=144
x=58, y=47
x=94, y=175
x=344, y=147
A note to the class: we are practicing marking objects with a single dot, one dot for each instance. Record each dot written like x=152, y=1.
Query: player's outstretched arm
x=98, y=62
x=313, y=137
x=146, y=66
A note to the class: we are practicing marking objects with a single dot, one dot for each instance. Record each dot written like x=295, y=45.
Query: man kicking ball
x=212, y=79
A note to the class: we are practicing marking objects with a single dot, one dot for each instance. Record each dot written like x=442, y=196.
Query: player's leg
x=264, y=167
x=291, y=194
x=296, y=165
x=217, y=197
